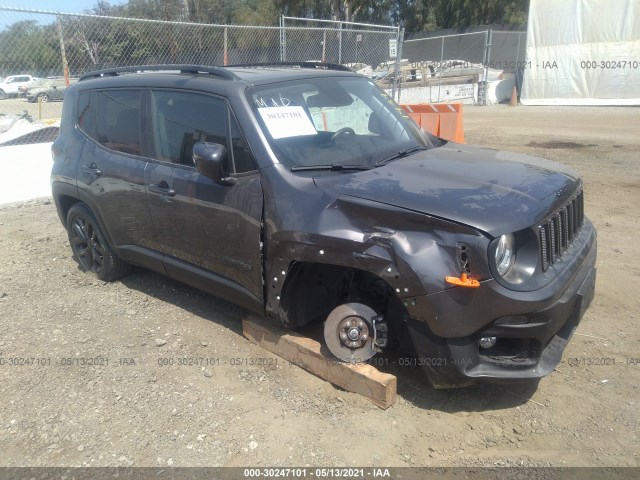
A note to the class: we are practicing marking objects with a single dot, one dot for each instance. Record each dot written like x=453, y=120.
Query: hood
x=493, y=191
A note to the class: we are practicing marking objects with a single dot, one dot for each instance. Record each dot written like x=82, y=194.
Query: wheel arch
x=65, y=202
x=66, y=195
x=296, y=256
x=312, y=289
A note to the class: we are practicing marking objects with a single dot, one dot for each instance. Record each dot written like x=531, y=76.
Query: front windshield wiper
x=334, y=167
x=402, y=154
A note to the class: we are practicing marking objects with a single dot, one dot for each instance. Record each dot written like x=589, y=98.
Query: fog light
x=487, y=342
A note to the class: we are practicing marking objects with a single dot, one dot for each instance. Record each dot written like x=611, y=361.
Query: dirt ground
x=128, y=409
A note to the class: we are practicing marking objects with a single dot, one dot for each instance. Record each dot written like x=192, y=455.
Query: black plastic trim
x=142, y=257
x=59, y=189
x=214, y=284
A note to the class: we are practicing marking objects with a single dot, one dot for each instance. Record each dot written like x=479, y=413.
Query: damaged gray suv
x=303, y=193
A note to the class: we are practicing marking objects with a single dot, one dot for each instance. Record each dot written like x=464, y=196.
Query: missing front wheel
x=354, y=332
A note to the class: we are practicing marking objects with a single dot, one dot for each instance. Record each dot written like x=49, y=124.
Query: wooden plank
x=380, y=388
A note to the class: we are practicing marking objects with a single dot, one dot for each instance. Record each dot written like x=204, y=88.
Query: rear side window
x=87, y=114
x=118, y=120
x=112, y=118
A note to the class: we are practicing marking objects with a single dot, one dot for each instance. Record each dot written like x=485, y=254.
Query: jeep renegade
x=303, y=193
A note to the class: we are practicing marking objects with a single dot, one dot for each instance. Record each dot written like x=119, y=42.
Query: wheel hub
x=347, y=332
x=353, y=332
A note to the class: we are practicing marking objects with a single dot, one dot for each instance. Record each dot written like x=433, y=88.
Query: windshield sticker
x=284, y=122
x=272, y=102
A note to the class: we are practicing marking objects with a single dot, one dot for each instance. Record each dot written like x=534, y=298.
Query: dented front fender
x=410, y=251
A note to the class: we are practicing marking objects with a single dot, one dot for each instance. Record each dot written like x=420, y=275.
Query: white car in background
x=9, y=86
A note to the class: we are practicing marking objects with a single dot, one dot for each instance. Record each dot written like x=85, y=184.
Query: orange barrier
x=444, y=120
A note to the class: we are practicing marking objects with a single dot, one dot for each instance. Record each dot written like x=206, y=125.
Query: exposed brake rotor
x=349, y=332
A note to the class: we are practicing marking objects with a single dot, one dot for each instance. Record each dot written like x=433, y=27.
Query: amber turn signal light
x=463, y=281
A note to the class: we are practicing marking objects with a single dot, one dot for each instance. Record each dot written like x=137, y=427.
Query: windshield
x=334, y=121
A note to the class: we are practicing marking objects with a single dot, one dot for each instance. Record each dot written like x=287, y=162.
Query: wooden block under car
x=380, y=388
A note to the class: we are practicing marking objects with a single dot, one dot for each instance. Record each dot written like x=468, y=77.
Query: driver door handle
x=91, y=169
x=162, y=188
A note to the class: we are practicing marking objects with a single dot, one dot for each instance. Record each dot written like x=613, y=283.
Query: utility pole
x=65, y=65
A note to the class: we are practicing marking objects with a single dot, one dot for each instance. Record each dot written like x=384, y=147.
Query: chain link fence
x=443, y=69
x=43, y=52
x=508, y=53
x=363, y=47
x=479, y=68
x=372, y=50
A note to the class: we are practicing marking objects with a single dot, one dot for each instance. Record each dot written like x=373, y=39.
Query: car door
x=22, y=81
x=111, y=168
x=12, y=84
x=200, y=223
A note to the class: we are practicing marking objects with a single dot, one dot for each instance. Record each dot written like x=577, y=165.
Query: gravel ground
x=99, y=395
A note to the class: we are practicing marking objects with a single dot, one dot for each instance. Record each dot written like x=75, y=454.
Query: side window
x=87, y=114
x=181, y=119
x=118, y=120
x=242, y=158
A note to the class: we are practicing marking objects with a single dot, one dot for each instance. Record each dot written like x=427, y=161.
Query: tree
x=465, y=13
x=28, y=47
x=413, y=15
x=425, y=15
x=256, y=13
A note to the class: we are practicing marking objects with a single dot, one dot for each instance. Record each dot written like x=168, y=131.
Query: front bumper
x=530, y=342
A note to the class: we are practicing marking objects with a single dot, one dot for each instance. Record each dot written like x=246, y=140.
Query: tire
x=44, y=98
x=90, y=247
x=2, y=95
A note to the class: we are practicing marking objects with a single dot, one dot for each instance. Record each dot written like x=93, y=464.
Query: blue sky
x=72, y=6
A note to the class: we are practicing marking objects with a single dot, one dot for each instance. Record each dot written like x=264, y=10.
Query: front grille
x=560, y=229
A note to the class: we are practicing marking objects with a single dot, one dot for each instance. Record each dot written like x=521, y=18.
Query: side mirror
x=208, y=159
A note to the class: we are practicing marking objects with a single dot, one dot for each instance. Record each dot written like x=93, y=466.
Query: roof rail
x=320, y=65
x=193, y=69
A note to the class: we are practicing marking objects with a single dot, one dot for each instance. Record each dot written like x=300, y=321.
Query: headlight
x=505, y=254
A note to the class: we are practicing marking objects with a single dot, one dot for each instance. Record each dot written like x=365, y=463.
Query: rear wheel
x=3, y=95
x=90, y=247
x=43, y=97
